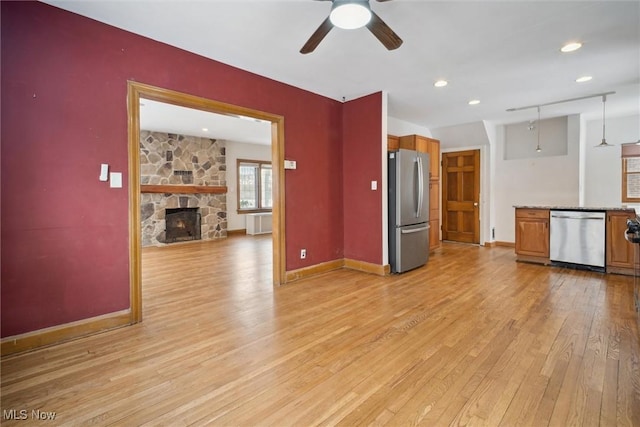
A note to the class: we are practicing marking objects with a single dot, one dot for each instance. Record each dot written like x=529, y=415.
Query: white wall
x=602, y=165
x=521, y=138
x=399, y=127
x=235, y=151
x=539, y=181
x=460, y=136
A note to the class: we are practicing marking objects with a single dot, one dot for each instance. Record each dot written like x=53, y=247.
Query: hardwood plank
x=471, y=338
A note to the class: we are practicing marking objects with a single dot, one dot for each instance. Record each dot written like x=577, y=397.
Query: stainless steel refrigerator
x=408, y=209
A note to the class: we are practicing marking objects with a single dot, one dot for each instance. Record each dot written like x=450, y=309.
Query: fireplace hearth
x=182, y=224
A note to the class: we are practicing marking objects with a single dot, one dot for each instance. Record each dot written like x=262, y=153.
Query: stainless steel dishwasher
x=577, y=238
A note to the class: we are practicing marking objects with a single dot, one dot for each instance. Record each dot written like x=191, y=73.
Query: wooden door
x=461, y=196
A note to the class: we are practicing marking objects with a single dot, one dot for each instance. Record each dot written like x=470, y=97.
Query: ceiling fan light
x=350, y=16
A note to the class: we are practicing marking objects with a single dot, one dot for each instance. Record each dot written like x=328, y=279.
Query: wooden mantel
x=183, y=189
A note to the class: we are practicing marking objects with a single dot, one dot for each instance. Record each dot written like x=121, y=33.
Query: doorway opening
x=138, y=91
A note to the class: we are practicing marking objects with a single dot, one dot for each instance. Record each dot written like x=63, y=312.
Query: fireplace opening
x=182, y=224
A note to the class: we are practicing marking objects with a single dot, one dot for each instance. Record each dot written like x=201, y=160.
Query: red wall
x=362, y=158
x=64, y=86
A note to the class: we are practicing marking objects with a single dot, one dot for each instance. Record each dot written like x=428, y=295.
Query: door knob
x=475, y=203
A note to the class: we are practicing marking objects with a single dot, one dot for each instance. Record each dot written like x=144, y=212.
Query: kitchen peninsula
x=553, y=234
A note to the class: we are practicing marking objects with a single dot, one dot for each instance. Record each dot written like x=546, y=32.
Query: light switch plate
x=104, y=172
x=374, y=185
x=115, y=179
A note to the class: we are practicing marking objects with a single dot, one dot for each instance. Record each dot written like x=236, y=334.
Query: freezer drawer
x=409, y=247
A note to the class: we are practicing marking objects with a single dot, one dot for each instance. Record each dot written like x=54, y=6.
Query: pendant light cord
x=538, y=149
x=604, y=102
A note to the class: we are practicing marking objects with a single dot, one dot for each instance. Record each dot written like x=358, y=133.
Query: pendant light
x=604, y=140
x=538, y=149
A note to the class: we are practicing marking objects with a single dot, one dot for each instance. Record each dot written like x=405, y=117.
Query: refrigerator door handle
x=414, y=230
x=420, y=187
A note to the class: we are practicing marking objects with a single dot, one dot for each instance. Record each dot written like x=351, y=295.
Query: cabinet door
x=434, y=200
x=619, y=250
x=434, y=158
x=393, y=143
x=407, y=142
x=532, y=237
x=434, y=234
x=422, y=144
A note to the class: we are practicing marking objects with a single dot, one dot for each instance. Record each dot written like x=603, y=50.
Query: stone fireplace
x=181, y=160
x=182, y=224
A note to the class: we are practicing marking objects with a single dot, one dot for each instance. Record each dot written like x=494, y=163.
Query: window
x=630, y=173
x=254, y=186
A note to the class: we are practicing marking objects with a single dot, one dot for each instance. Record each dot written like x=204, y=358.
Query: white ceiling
x=161, y=117
x=504, y=53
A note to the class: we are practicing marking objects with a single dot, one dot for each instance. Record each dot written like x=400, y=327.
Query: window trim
x=259, y=209
x=629, y=151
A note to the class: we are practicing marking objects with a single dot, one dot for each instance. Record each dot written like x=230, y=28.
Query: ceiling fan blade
x=387, y=37
x=317, y=36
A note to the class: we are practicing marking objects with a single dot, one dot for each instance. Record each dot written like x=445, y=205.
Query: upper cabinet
x=434, y=158
x=393, y=143
x=424, y=145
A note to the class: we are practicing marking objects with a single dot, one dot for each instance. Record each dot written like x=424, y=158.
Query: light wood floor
x=473, y=338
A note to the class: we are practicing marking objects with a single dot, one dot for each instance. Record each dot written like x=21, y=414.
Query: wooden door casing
x=461, y=196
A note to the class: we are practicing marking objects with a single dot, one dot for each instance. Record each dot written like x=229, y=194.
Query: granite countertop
x=576, y=208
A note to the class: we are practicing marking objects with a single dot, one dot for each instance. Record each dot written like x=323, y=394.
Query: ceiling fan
x=351, y=14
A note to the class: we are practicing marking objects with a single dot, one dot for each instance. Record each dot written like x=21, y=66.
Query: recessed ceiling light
x=583, y=79
x=570, y=47
x=205, y=130
x=474, y=102
x=441, y=83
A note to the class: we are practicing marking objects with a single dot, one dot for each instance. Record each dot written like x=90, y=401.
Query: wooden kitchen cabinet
x=393, y=143
x=433, y=148
x=424, y=145
x=434, y=215
x=620, y=252
x=532, y=235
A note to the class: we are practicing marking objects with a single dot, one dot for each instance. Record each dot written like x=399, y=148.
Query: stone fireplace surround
x=170, y=159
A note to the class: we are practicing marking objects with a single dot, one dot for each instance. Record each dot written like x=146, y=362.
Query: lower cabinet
x=532, y=235
x=532, y=239
x=619, y=252
x=434, y=234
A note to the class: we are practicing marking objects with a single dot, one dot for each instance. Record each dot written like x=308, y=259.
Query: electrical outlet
x=303, y=253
